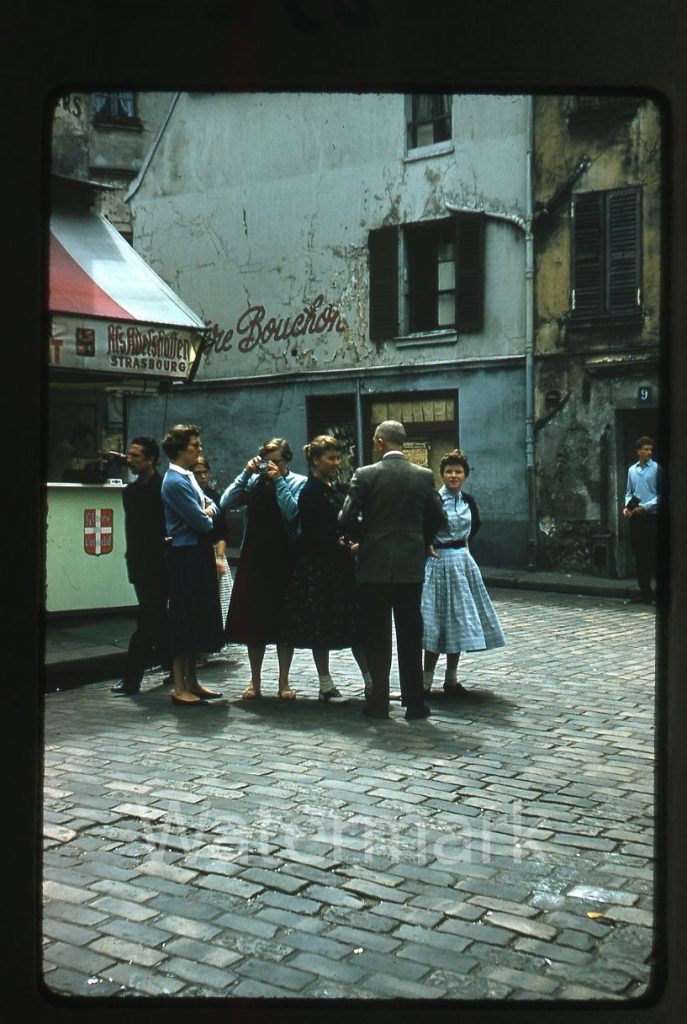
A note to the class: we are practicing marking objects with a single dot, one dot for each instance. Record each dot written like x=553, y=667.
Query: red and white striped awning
x=110, y=312
x=94, y=272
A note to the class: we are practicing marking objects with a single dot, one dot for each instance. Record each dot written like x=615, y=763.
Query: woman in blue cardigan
x=194, y=608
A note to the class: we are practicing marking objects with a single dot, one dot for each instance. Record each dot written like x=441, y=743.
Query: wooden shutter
x=623, y=251
x=588, y=255
x=383, y=265
x=469, y=272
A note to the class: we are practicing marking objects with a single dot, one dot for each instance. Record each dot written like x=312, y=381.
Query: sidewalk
x=80, y=649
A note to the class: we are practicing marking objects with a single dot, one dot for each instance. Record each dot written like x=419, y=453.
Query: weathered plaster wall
x=267, y=200
x=580, y=468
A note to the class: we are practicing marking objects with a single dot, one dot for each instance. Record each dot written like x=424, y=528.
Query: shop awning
x=95, y=272
x=110, y=311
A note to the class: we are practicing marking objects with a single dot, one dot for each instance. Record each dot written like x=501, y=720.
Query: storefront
x=115, y=329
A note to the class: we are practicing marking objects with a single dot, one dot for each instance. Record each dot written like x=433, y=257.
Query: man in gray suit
x=396, y=510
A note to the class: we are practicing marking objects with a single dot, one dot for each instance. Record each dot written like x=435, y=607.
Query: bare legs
x=185, y=679
x=256, y=655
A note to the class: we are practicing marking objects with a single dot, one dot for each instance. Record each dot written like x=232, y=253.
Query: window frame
x=413, y=122
x=108, y=116
x=396, y=257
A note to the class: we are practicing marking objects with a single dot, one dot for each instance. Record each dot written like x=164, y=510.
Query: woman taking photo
x=456, y=610
x=194, y=610
x=319, y=609
x=269, y=492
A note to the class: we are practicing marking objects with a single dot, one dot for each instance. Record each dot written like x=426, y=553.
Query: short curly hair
x=455, y=458
x=178, y=437
x=319, y=445
x=277, y=442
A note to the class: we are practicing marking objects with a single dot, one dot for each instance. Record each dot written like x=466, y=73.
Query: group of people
x=322, y=567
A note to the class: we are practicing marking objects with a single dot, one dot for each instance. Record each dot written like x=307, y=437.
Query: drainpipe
x=529, y=346
x=359, y=422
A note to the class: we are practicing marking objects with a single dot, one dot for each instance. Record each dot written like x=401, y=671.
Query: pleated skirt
x=456, y=609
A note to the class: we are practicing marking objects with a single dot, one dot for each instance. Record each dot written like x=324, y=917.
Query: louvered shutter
x=623, y=248
x=383, y=265
x=588, y=255
x=469, y=271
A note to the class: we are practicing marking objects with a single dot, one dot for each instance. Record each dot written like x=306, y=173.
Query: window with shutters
x=443, y=273
x=428, y=119
x=606, y=255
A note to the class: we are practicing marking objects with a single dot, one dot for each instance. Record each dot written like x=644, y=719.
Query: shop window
x=430, y=419
x=428, y=119
x=444, y=275
x=115, y=108
x=606, y=254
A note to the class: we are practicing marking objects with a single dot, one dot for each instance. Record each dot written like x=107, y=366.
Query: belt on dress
x=452, y=544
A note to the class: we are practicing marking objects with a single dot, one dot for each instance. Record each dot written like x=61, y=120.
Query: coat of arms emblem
x=97, y=531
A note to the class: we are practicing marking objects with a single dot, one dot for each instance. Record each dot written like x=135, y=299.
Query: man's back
x=400, y=512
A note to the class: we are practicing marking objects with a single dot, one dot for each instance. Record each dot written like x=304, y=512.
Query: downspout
x=529, y=346
x=359, y=423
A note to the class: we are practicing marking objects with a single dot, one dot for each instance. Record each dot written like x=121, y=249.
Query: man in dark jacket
x=146, y=560
x=398, y=511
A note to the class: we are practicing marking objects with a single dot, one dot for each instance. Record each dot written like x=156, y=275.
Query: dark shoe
x=454, y=690
x=189, y=703
x=332, y=696
x=638, y=599
x=168, y=680
x=209, y=695
x=124, y=689
x=373, y=712
x=417, y=711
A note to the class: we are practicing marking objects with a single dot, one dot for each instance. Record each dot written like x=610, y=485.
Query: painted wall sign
x=108, y=346
x=97, y=531
x=252, y=329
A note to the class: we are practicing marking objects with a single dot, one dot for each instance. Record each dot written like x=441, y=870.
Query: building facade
x=598, y=334
x=104, y=137
x=355, y=258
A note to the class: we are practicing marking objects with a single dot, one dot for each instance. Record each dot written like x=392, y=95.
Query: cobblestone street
x=501, y=849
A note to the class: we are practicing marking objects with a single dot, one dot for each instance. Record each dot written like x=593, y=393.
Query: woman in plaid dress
x=456, y=610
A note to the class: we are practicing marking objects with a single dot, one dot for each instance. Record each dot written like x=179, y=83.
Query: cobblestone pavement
x=501, y=849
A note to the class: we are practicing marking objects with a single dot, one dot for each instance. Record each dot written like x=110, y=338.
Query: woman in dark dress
x=269, y=493
x=319, y=608
x=194, y=610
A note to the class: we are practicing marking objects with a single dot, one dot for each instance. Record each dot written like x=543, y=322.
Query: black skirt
x=319, y=606
x=194, y=610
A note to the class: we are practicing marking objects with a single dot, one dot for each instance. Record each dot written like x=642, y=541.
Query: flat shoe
x=413, y=712
x=372, y=712
x=287, y=694
x=455, y=690
x=250, y=693
x=188, y=703
x=122, y=690
x=209, y=695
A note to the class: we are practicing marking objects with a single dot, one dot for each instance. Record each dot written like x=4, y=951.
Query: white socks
x=326, y=683
x=427, y=680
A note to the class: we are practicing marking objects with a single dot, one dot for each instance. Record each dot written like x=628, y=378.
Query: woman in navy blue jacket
x=194, y=608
